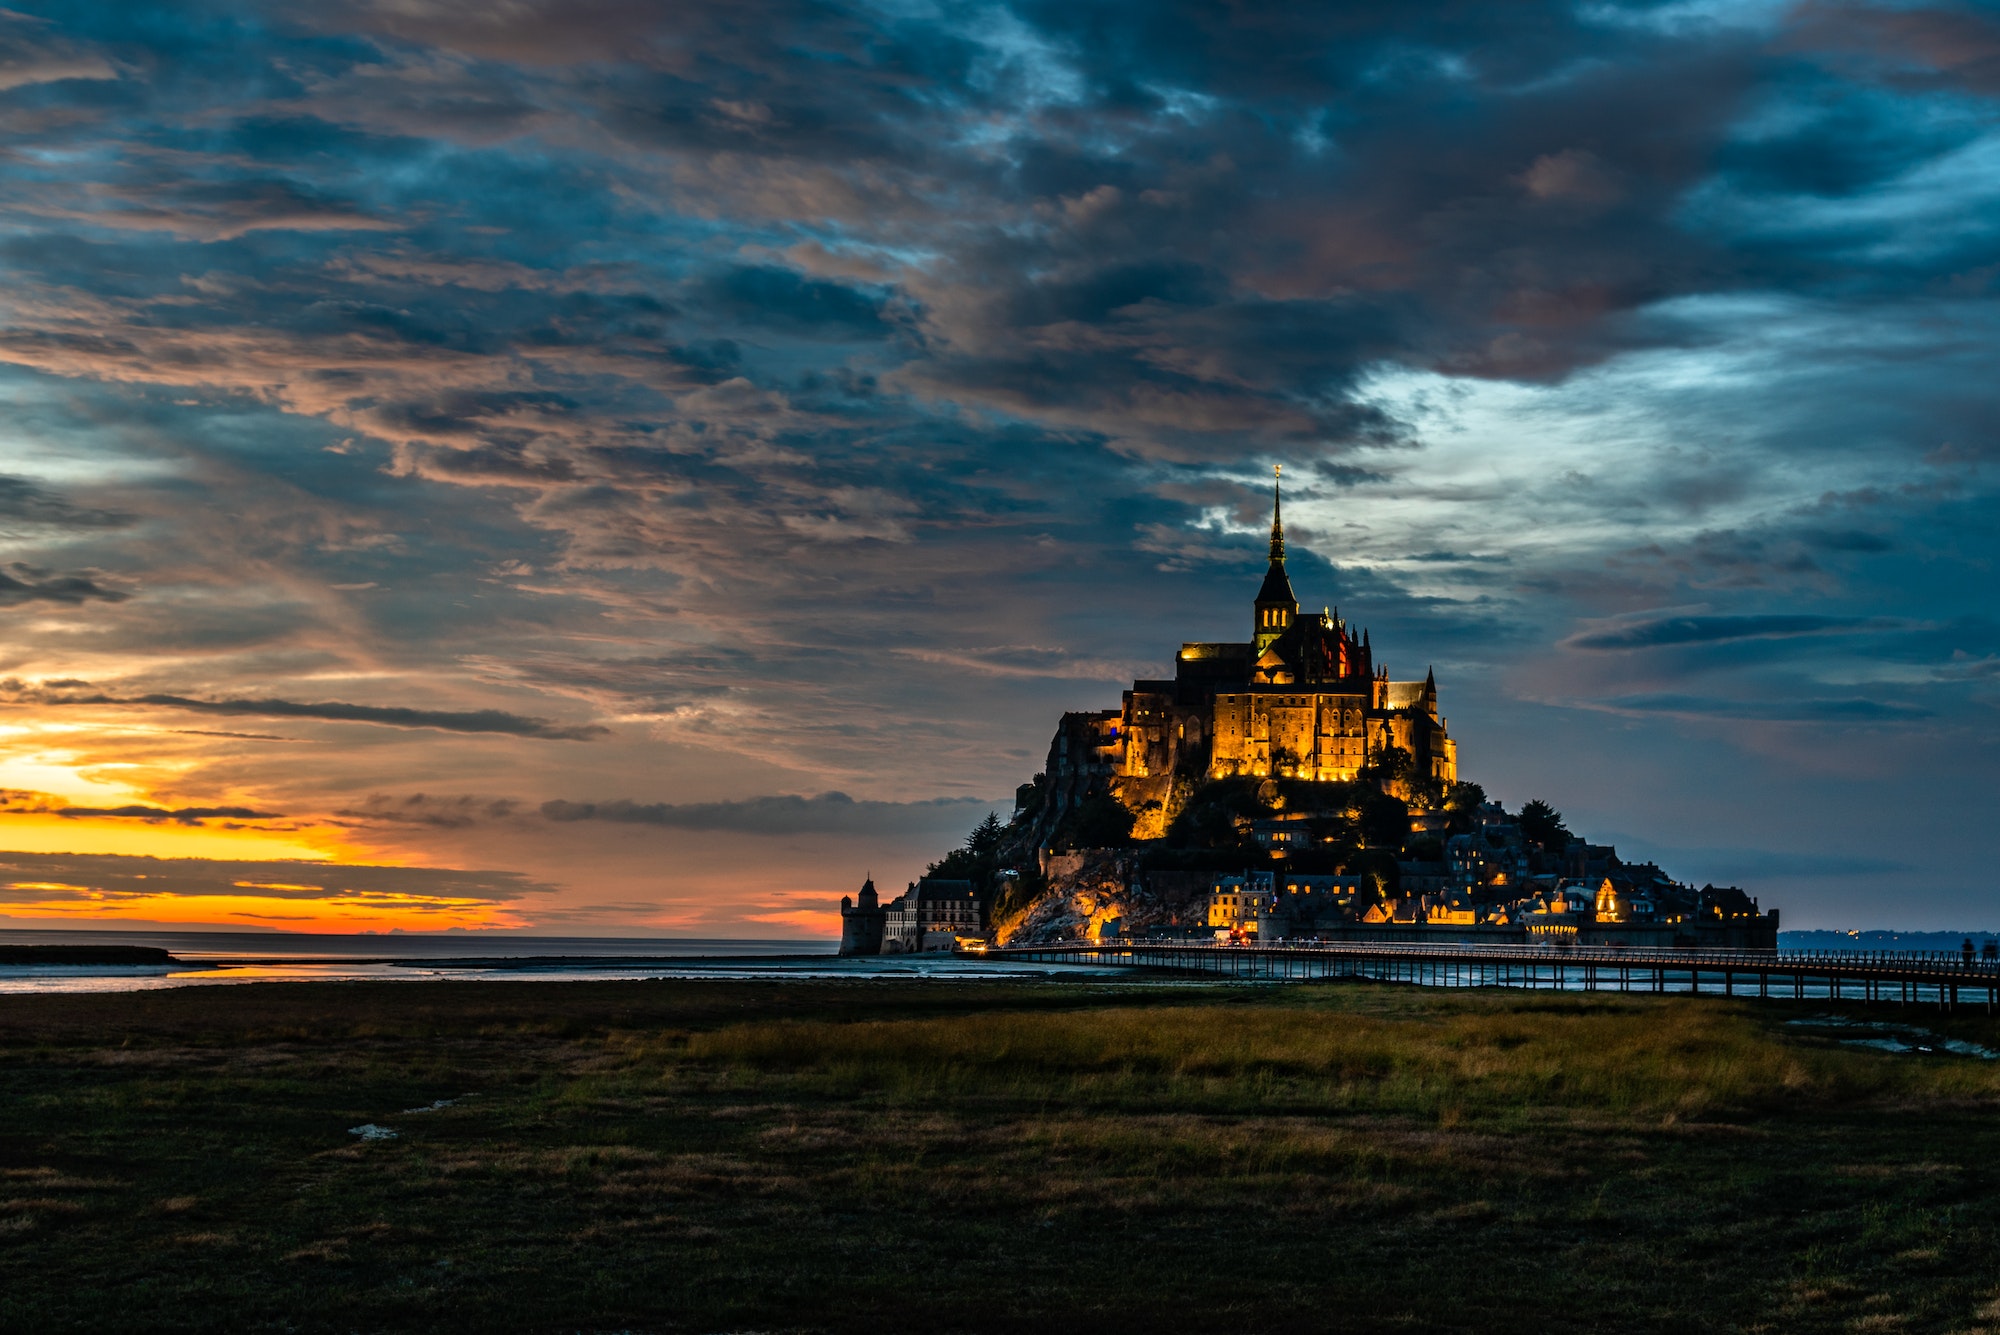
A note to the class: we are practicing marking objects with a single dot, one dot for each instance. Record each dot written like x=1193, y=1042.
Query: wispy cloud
x=333, y=711
x=24, y=503
x=33, y=51
x=1851, y=709
x=827, y=813
x=1670, y=631
x=17, y=802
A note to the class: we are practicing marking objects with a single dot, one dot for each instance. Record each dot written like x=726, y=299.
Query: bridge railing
x=1928, y=962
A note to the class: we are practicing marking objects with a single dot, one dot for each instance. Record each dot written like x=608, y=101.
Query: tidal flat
x=1000, y=1156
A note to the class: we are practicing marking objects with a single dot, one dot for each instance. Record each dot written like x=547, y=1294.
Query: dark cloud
x=23, y=502
x=430, y=810
x=1748, y=865
x=221, y=211
x=1215, y=277
x=1852, y=709
x=782, y=299
x=1666, y=631
x=108, y=878
x=21, y=584
x=828, y=813
x=443, y=720
x=33, y=52
x=1964, y=667
x=180, y=815
x=1940, y=45
x=1847, y=540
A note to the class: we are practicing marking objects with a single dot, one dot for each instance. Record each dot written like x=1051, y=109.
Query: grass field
x=891, y=1156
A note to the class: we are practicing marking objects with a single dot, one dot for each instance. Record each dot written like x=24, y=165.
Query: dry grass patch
x=899, y=1157
x=1687, y=1060
x=41, y=1205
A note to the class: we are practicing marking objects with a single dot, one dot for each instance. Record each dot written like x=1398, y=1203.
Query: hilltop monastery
x=1301, y=698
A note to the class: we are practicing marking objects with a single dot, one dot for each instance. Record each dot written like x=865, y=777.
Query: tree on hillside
x=1099, y=821
x=1380, y=878
x=1208, y=818
x=1461, y=803
x=1542, y=825
x=1382, y=821
x=977, y=860
x=986, y=836
x=1427, y=793
x=1388, y=765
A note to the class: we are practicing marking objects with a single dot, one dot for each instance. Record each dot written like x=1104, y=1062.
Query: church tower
x=1277, y=605
x=862, y=925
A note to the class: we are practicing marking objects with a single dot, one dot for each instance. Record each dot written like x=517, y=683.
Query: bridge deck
x=1904, y=977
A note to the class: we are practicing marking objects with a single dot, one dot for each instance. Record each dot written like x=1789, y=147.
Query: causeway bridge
x=1937, y=978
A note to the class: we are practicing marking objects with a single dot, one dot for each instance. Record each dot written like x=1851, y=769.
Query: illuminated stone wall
x=1321, y=734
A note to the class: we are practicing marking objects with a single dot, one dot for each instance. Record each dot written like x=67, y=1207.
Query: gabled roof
x=934, y=888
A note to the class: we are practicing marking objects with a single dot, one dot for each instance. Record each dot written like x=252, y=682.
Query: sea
x=210, y=959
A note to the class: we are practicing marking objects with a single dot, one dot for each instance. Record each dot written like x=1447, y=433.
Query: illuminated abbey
x=1283, y=787
x=1301, y=698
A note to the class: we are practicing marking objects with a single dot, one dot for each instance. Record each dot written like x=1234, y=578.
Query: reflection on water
x=217, y=968
x=1888, y=1036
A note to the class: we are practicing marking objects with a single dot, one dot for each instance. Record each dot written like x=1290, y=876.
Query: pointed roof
x=1277, y=587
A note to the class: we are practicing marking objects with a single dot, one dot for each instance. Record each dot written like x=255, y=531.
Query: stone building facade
x=1243, y=905
x=933, y=914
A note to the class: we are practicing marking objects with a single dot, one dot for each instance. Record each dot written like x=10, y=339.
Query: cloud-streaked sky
x=660, y=462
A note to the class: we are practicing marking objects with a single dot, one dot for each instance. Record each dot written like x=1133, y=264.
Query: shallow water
x=216, y=958
x=1887, y=1036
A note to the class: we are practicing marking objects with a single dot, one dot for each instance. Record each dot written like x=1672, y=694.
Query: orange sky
x=265, y=831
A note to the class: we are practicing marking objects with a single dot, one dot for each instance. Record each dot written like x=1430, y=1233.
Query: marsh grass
x=889, y=1156
x=1607, y=1060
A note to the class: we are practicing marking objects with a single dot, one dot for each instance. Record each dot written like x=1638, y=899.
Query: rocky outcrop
x=1096, y=892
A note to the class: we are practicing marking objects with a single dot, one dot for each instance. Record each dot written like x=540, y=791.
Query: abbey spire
x=1277, y=515
x=1277, y=605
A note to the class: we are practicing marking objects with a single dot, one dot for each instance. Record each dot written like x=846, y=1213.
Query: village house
x=1243, y=905
x=933, y=914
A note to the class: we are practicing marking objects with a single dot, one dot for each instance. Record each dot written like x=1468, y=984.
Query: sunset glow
x=612, y=451
x=54, y=834
x=323, y=911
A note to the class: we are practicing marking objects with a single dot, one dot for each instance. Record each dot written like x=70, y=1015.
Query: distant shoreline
x=85, y=955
